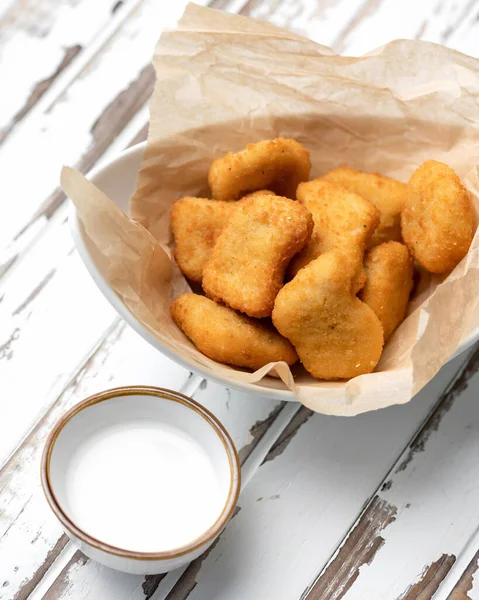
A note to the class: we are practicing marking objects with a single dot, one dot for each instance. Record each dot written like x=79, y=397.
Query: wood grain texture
x=431, y=20
x=104, y=130
x=25, y=519
x=465, y=583
x=435, y=497
x=356, y=547
x=43, y=311
x=430, y=579
x=38, y=41
x=326, y=22
x=30, y=585
x=285, y=511
x=359, y=549
x=299, y=506
x=39, y=89
x=81, y=117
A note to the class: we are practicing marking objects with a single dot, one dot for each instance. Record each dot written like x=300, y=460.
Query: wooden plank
x=79, y=123
x=25, y=519
x=44, y=310
x=39, y=298
x=38, y=42
x=304, y=498
x=89, y=578
x=432, y=494
x=325, y=22
x=247, y=420
x=464, y=37
x=362, y=544
x=431, y=20
x=464, y=586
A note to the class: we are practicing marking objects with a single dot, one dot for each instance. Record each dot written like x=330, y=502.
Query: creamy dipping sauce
x=147, y=487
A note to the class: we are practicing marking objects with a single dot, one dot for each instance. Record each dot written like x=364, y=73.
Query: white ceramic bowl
x=142, y=479
x=117, y=179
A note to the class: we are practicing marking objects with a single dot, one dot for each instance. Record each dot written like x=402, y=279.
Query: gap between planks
x=75, y=58
x=364, y=539
x=106, y=125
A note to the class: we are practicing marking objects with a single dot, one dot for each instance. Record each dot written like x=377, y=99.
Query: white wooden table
x=384, y=506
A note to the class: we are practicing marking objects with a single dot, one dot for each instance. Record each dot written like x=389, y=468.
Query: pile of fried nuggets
x=318, y=270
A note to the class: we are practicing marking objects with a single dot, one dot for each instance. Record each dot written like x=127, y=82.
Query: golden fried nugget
x=359, y=279
x=278, y=165
x=196, y=223
x=335, y=334
x=342, y=219
x=388, y=195
x=437, y=221
x=259, y=193
x=389, y=282
x=246, y=267
x=225, y=336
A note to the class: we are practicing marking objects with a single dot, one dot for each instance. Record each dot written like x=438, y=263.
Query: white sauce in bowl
x=142, y=486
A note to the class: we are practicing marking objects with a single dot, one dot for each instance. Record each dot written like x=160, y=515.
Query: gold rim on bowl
x=171, y=395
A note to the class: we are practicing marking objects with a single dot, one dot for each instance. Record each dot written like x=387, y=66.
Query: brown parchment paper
x=224, y=81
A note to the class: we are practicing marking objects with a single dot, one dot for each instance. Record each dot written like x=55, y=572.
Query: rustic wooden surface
x=384, y=506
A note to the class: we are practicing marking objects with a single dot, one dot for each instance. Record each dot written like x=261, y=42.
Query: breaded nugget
x=389, y=282
x=259, y=193
x=246, y=267
x=227, y=337
x=342, y=219
x=335, y=334
x=278, y=165
x=359, y=279
x=437, y=221
x=388, y=195
x=196, y=223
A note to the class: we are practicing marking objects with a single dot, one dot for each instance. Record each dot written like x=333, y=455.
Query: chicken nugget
x=437, y=221
x=388, y=195
x=196, y=223
x=278, y=165
x=246, y=267
x=389, y=282
x=342, y=219
x=227, y=337
x=336, y=335
x=259, y=193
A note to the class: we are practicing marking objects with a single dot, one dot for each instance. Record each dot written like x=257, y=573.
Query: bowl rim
x=257, y=388
x=164, y=394
x=116, y=302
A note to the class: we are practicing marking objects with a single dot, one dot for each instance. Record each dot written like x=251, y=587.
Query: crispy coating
x=335, y=334
x=388, y=195
x=227, y=337
x=389, y=282
x=437, y=221
x=259, y=193
x=246, y=267
x=196, y=223
x=278, y=165
x=342, y=219
x=359, y=279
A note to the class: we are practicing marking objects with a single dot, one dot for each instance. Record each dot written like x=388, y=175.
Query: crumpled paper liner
x=224, y=81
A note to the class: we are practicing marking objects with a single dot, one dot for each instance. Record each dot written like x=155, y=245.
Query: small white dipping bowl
x=142, y=479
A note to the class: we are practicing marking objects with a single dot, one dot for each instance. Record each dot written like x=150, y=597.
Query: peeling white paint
x=436, y=495
x=62, y=134
x=474, y=591
x=28, y=56
x=296, y=509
